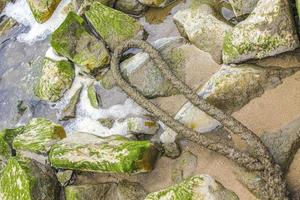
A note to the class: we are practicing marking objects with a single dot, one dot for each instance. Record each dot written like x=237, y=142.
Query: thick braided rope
x=263, y=160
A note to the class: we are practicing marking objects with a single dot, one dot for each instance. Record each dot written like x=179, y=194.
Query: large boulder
x=243, y=7
x=113, y=26
x=73, y=41
x=38, y=136
x=268, y=31
x=114, y=154
x=42, y=10
x=56, y=78
x=203, y=29
x=27, y=179
x=196, y=187
x=157, y=3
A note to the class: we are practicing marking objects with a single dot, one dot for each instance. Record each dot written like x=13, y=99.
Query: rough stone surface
x=114, y=154
x=94, y=98
x=268, y=31
x=203, y=29
x=56, y=79
x=6, y=24
x=73, y=41
x=69, y=111
x=138, y=125
x=156, y=3
x=38, y=136
x=27, y=179
x=64, y=177
x=171, y=150
x=243, y=7
x=81, y=5
x=42, y=10
x=133, y=7
x=107, y=122
x=113, y=26
x=197, y=187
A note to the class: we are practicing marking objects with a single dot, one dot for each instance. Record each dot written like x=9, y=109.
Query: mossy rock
x=157, y=3
x=242, y=7
x=196, y=187
x=114, y=154
x=56, y=78
x=28, y=180
x=94, y=98
x=81, y=5
x=113, y=26
x=5, y=151
x=269, y=30
x=133, y=7
x=38, y=136
x=72, y=40
x=6, y=24
x=42, y=10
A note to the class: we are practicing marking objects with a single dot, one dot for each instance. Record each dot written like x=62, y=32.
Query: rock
x=284, y=144
x=5, y=151
x=298, y=7
x=203, y=29
x=138, y=125
x=81, y=5
x=156, y=3
x=133, y=7
x=27, y=179
x=252, y=181
x=9, y=134
x=124, y=190
x=113, y=26
x=114, y=154
x=171, y=150
x=268, y=31
x=107, y=122
x=94, y=98
x=232, y=87
x=73, y=41
x=243, y=7
x=55, y=80
x=69, y=111
x=6, y=24
x=42, y=10
x=38, y=136
x=184, y=166
x=2, y=5
x=196, y=187
x=64, y=177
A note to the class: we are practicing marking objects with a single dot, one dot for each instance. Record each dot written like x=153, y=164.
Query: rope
x=261, y=160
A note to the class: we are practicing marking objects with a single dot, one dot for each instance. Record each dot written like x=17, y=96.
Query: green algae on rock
x=139, y=125
x=94, y=98
x=73, y=41
x=69, y=111
x=269, y=30
x=42, y=10
x=157, y=3
x=5, y=151
x=133, y=7
x=243, y=7
x=107, y=122
x=114, y=154
x=6, y=24
x=28, y=179
x=113, y=26
x=38, y=136
x=194, y=188
x=81, y=5
x=203, y=29
x=56, y=78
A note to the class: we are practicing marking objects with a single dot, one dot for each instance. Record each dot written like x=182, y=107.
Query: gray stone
x=133, y=7
x=171, y=150
x=139, y=125
x=243, y=7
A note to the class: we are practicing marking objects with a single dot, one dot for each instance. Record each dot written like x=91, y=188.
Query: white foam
x=21, y=12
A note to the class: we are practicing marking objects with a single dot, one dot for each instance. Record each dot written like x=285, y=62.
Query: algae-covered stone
x=203, y=29
x=69, y=111
x=243, y=7
x=138, y=125
x=27, y=179
x=133, y=7
x=64, y=177
x=42, y=10
x=157, y=3
x=2, y=5
x=298, y=7
x=56, y=78
x=197, y=187
x=268, y=31
x=73, y=41
x=107, y=122
x=6, y=24
x=5, y=151
x=38, y=136
x=81, y=5
x=112, y=155
x=113, y=26
x=94, y=98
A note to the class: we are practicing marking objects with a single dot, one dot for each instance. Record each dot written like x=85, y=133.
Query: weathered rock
x=42, y=10
x=5, y=151
x=56, y=79
x=197, y=187
x=81, y=5
x=243, y=7
x=38, y=136
x=138, y=125
x=284, y=144
x=9, y=134
x=73, y=41
x=111, y=191
x=94, y=98
x=107, y=122
x=6, y=24
x=171, y=150
x=69, y=111
x=203, y=29
x=268, y=31
x=156, y=3
x=111, y=155
x=184, y=166
x=133, y=7
x=113, y=26
x=298, y=7
x=27, y=179
x=2, y=5
x=64, y=177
